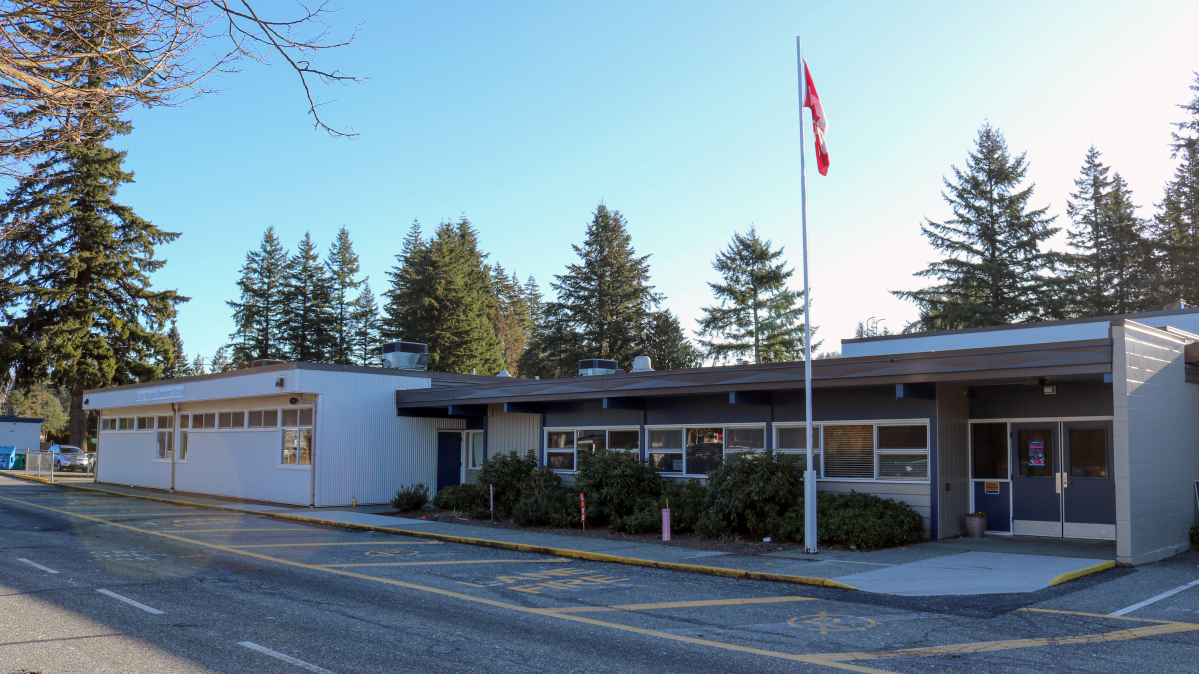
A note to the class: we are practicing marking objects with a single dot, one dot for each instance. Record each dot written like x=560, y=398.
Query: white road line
x=127, y=600
x=1159, y=597
x=36, y=565
x=285, y=658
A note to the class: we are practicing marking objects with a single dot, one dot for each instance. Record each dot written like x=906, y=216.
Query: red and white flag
x=819, y=123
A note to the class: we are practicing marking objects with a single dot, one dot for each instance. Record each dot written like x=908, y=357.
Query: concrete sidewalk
x=994, y=565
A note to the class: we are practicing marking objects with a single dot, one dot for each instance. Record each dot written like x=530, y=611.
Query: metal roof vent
x=641, y=364
x=406, y=355
x=503, y=373
x=263, y=362
x=594, y=366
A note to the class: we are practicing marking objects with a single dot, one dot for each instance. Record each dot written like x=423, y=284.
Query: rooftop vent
x=503, y=373
x=641, y=364
x=264, y=362
x=406, y=355
x=594, y=366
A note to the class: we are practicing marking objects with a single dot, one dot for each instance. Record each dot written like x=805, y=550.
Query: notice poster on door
x=1036, y=453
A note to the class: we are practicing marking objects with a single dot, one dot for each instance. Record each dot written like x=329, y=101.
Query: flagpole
x=809, y=483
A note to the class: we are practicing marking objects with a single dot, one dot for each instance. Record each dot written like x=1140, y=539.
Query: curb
x=516, y=547
x=1079, y=573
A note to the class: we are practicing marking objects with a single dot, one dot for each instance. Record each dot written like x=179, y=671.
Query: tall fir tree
x=1109, y=271
x=995, y=270
x=342, y=263
x=603, y=302
x=441, y=295
x=221, y=362
x=199, y=366
x=174, y=364
x=80, y=309
x=758, y=318
x=258, y=312
x=514, y=320
x=306, y=332
x=1175, y=229
x=667, y=346
x=365, y=340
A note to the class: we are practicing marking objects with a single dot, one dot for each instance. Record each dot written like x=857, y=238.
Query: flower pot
x=976, y=525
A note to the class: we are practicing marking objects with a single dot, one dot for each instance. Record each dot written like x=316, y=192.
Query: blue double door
x=1061, y=479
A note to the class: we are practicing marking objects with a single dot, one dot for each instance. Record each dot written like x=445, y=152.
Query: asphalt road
x=92, y=583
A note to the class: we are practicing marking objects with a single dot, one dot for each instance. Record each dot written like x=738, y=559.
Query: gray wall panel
x=953, y=459
x=867, y=402
x=588, y=413
x=1014, y=401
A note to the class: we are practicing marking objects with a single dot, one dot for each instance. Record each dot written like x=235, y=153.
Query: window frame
x=299, y=428
x=469, y=446
x=927, y=451
x=724, y=452
x=574, y=450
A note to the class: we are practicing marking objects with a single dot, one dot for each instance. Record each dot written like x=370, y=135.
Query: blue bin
x=8, y=457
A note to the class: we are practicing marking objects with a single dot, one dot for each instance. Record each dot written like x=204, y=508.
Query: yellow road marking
x=305, y=545
x=465, y=561
x=212, y=531
x=835, y=660
x=1079, y=573
x=684, y=604
x=1095, y=615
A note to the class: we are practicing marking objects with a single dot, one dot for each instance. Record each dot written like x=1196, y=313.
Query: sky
x=682, y=116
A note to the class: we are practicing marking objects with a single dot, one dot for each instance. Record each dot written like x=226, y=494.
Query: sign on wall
x=155, y=394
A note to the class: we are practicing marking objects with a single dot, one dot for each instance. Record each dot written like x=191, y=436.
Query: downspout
x=174, y=448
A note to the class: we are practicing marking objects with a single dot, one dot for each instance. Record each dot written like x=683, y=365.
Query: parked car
x=69, y=457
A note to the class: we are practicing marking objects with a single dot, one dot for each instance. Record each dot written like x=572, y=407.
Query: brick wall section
x=1153, y=457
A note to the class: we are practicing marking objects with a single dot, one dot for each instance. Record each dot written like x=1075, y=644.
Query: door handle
x=1058, y=482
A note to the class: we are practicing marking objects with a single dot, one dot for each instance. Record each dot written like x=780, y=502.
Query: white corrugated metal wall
x=363, y=450
x=508, y=431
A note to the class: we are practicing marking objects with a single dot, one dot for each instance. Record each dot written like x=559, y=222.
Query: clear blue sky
x=682, y=116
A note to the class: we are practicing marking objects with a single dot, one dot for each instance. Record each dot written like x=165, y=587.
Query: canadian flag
x=819, y=123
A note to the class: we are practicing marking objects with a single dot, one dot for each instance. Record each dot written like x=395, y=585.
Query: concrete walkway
x=994, y=565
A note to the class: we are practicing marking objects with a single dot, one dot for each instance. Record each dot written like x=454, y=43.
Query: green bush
x=616, y=484
x=867, y=521
x=506, y=473
x=544, y=501
x=410, y=497
x=1195, y=534
x=465, y=498
x=748, y=493
x=687, y=502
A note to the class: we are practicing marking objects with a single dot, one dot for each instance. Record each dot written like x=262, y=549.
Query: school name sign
x=156, y=394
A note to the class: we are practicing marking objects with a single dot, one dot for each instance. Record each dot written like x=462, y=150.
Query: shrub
x=686, y=500
x=544, y=501
x=506, y=472
x=465, y=498
x=411, y=497
x=616, y=484
x=1195, y=534
x=748, y=492
x=866, y=520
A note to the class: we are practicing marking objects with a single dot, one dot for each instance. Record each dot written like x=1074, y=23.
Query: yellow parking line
x=307, y=545
x=685, y=604
x=212, y=531
x=465, y=561
x=1095, y=615
x=834, y=660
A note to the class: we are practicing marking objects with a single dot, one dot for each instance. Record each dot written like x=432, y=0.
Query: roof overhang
x=989, y=364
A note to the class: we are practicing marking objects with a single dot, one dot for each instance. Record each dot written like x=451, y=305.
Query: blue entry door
x=1036, y=480
x=449, y=459
x=1088, y=488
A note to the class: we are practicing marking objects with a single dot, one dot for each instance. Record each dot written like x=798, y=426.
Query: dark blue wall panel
x=1073, y=399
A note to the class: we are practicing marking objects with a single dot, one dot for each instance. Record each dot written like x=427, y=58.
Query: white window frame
x=545, y=441
x=298, y=427
x=927, y=451
x=817, y=455
x=468, y=447
x=725, y=451
x=170, y=436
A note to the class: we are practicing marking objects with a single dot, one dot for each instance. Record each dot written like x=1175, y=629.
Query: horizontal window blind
x=903, y=466
x=791, y=437
x=903, y=437
x=849, y=452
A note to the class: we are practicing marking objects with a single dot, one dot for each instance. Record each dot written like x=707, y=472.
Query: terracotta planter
x=976, y=525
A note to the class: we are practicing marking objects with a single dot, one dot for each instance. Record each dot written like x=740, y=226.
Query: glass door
x=1036, y=479
x=1088, y=488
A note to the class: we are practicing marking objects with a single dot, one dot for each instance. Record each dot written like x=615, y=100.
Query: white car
x=69, y=457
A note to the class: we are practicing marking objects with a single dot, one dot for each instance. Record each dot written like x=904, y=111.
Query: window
x=903, y=465
x=108, y=424
x=475, y=451
x=590, y=441
x=145, y=423
x=1088, y=452
x=705, y=450
x=204, y=420
x=182, y=445
x=163, y=446
x=224, y=420
x=263, y=418
x=560, y=450
x=988, y=443
x=849, y=451
x=184, y=420
x=127, y=424
x=629, y=441
x=166, y=422
x=791, y=441
x=741, y=439
x=666, y=449
x=297, y=441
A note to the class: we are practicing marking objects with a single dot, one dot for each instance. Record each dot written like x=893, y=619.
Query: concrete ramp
x=971, y=573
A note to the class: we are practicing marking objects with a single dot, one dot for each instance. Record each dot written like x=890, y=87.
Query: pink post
x=583, y=508
x=666, y=524
x=491, y=494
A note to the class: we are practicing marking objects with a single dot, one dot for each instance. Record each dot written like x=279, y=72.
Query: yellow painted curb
x=502, y=545
x=1071, y=575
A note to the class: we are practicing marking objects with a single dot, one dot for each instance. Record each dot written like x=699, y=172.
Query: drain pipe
x=171, y=439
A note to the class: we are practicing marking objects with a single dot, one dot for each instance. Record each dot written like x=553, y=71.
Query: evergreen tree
x=441, y=295
x=870, y=328
x=258, y=315
x=1108, y=273
x=1175, y=230
x=80, y=309
x=198, y=366
x=221, y=362
x=514, y=320
x=365, y=339
x=666, y=344
x=603, y=303
x=306, y=333
x=995, y=271
x=342, y=263
x=758, y=316
x=174, y=363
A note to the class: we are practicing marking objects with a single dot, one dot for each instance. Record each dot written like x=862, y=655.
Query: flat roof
x=992, y=363
x=439, y=378
x=21, y=420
